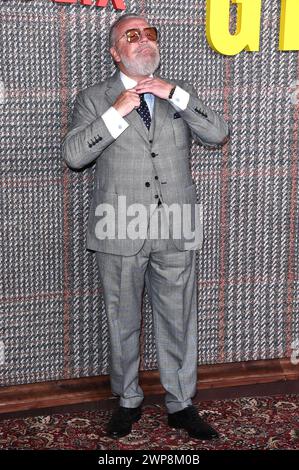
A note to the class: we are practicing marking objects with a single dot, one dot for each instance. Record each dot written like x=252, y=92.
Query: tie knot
x=141, y=96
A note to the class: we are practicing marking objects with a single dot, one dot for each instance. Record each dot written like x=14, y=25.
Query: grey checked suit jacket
x=140, y=164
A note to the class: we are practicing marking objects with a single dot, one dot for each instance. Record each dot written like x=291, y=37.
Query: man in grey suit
x=137, y=127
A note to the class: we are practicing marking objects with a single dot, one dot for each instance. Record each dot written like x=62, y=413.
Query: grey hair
x=119, y=20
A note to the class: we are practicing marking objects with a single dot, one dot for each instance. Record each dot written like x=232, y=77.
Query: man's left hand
x=156, y=86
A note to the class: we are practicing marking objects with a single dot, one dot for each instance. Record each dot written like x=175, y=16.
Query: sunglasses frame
x=139, y=31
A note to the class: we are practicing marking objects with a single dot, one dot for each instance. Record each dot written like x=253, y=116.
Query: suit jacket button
x=156, y=196
x=156, y=177
x=147, y=184
x=153, y=154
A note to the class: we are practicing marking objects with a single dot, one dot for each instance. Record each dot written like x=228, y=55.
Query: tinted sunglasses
x=134, y=34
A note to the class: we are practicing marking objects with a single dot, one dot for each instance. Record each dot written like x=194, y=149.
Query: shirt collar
x=127, y=81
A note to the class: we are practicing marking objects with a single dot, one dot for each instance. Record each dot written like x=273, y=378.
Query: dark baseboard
x=58, y=393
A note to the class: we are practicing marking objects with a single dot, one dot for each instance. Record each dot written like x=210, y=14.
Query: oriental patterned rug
x=260, y=423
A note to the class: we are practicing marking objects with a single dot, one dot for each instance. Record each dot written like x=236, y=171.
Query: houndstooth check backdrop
x=53, y=323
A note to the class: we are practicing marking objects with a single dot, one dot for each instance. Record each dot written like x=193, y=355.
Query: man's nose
x=144, y=37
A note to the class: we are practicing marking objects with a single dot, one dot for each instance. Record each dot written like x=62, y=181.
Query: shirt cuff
x=180, y=98
x=115, y=123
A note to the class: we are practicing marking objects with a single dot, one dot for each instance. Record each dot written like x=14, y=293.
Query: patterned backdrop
x=53, y=323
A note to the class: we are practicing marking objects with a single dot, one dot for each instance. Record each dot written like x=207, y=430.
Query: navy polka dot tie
x=143, y=111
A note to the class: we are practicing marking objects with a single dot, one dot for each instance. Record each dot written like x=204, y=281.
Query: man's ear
x=114, y=54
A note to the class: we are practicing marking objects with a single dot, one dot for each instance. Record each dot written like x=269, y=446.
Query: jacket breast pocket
x=181, y=133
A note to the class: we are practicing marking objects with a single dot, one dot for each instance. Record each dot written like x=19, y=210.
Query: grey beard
x=139, y=67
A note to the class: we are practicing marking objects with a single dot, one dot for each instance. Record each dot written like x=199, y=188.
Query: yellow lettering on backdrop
x=289, y=26
x=247, y=35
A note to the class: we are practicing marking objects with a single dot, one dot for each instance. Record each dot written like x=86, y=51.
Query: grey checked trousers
x=170, y=279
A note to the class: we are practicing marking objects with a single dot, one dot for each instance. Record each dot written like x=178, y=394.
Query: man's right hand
x=126, y=102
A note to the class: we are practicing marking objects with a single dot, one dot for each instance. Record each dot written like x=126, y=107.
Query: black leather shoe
x=121, y=421
x=189, y=420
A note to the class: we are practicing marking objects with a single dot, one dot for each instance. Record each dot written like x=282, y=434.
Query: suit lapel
x=114, y=88
x=160, y=112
